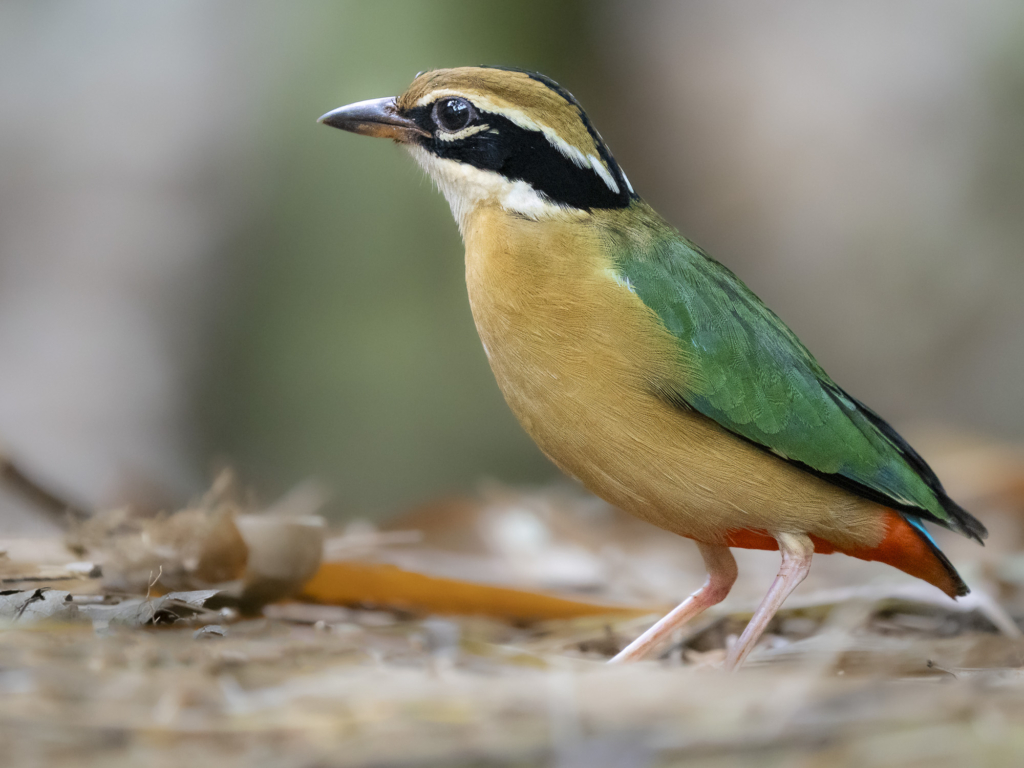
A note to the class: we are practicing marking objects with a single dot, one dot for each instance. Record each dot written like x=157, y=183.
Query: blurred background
x=194, y=273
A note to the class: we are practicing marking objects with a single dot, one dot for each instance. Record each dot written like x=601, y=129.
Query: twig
x=37, y=494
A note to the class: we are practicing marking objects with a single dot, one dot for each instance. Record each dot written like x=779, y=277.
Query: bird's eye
x=452, y=115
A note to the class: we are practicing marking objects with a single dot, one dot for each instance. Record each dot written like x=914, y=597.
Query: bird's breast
x=574, y=351
x=570, y=345
x=580, y=360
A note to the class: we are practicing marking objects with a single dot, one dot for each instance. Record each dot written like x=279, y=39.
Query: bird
x=643, y=367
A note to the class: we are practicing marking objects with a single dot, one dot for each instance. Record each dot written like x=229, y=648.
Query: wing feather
x=752, y=375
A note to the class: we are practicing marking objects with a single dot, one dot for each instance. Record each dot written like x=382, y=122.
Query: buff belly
x=578, y=357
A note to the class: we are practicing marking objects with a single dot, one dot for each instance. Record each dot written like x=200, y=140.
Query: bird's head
x=490, y=136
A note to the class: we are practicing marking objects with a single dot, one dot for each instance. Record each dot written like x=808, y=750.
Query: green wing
x=750, y=373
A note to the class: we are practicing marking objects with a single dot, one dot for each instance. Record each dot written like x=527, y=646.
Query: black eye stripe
x=519, y=154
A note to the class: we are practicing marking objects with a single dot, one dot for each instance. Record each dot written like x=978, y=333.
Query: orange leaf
x=349, y=583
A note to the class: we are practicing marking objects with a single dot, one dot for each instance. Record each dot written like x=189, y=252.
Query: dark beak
x=376, y=117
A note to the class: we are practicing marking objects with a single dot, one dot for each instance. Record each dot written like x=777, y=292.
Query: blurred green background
x=192, y=271
x=351, y=328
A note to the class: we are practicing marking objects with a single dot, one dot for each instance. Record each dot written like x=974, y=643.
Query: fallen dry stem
x=43, y=498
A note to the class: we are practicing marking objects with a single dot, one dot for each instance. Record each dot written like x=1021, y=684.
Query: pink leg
x=721, y=576
x=797, y=550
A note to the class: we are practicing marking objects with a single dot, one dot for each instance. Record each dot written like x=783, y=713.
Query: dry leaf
x=251, y=558
x=167, y=609
x=190, y=549
x=28, y=606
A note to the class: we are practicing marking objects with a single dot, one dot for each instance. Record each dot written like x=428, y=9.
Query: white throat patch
x=466, y=188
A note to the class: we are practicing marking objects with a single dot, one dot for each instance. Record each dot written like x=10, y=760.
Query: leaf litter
x=474, y=632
